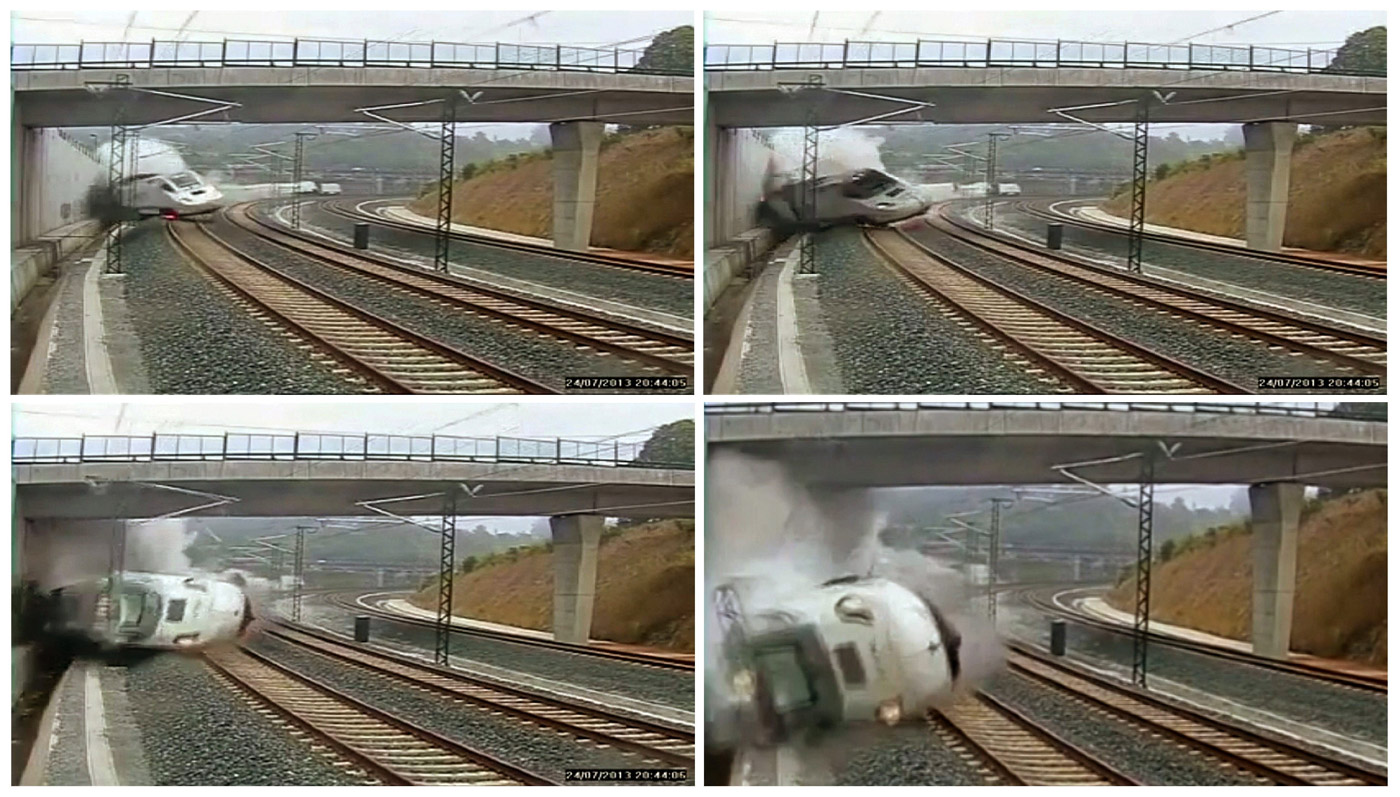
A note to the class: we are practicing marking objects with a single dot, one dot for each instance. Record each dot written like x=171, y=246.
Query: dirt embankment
x=645, y=201
x=1339, y=610
x=646, y=588
x=1336, y=195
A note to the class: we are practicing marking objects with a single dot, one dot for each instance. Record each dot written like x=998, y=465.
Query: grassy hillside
x=645, y=194
x=646, y=587
x=1336, y=194
x=1339, y=609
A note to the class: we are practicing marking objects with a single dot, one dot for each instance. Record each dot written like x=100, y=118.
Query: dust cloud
x=838, y=151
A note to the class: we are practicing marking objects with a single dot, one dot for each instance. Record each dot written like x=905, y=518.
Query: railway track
x=1340, y=678
x=345, y=209
x=662, y=352
x=1086, y=358
x=1269, y=760
x=389, y=749
x=1358, y=351
x=629, y=656
x=1011, y=750
x=653, y=742
x=1049, y=213
x=388, y=357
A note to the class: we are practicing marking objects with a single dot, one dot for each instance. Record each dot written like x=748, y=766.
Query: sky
x=1287, y=29
x=628, y=29
x=1292, y=29
x=421, y=416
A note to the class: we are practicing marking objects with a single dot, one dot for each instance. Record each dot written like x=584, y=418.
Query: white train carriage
x=860, y=196
x=850, y=650
x=152, y=610
x=172, y=196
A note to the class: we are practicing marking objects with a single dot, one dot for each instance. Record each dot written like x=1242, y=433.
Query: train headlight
x=889, y=712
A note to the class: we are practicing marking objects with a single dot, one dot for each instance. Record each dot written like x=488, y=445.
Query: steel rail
x=1039, y=353
x=393, y=383
x=477, y=299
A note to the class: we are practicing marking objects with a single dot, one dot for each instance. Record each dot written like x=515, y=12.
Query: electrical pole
x=296, y=177
x=299, y=569
x=988, y=208
x=807, y=91
x=442, y=234
x=116, y=174
x=1144, y=571
x=446, y=570
x=1138, y=217
x=994, y=557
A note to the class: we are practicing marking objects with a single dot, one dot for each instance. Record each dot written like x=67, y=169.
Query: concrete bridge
x=1274, y=450
x=63, y=488
x=1268, y=90
x=576, y=90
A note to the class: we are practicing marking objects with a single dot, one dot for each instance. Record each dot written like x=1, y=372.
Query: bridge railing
x=1374, y=412
x=327, y=52
x=1018, y=53
x=336, y=447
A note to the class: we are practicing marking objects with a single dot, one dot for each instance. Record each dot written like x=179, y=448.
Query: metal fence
x=335, y=447
x=1017, y=53
x=323, y=52
x=1373, y=411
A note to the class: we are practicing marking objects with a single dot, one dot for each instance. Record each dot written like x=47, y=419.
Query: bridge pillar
x=1275, y=509
x=575, y=181
x=1268, y=148
x=575, y=574
x=18, y=197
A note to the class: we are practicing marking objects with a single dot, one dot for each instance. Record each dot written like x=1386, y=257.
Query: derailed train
x=164, y=611
x=850, y=650
x=858, y=196
x=175, y=195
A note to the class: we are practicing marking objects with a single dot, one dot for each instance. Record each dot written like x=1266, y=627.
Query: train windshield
x=867, y=183
x=185, y=180
x=140, y=612
x=785, y=678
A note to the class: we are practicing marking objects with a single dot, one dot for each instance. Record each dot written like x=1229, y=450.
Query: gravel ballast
x=541, y=751
x=1126, y=748
x=197, y=731
x=888, y=339
x=668, y=687
x=652, y=291
x=1351, y=712
x=1238, y=361
x=545, y=360
x=195, y=340
x=907, y=755
x=1329, y=288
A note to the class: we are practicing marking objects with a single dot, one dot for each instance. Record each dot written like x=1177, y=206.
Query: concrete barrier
x=723, y=262
x=29, y=262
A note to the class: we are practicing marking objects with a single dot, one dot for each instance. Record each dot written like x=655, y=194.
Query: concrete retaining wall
x=725, y=261
x=57, y=175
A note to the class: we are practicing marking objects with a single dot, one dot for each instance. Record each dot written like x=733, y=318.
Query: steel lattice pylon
x=994, y=557
x=988, y=205
x=116, y=553
x=1144, y=572
x=807, y=263
x=1139, y=209
x=442, y=628
x=298, y=564
x=296, y=177
x=442, y=234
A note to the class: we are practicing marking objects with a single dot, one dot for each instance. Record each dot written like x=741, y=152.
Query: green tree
x=672, y=51
x=672, y=444
x=1363, y=52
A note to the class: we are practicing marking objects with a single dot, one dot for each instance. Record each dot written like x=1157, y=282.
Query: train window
x=176, y=612
x=851, y=609
x=848, y=659
x=866, y=183
x=185, y=180
x=785, y=679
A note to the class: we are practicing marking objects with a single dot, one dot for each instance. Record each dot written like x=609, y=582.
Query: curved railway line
x=1269, y=760
x=1048, y=211
x=1358, y=351
x=389, y=749
x=655, y=743
x=346, y=601
x=350, y=209
x=1039, y=601
x=660, y=351
x=1084, y=357
x=1012, y=750
x=388, y=357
